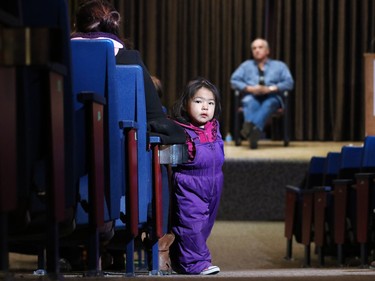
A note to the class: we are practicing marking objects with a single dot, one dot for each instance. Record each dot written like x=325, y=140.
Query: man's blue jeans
x=257, y=109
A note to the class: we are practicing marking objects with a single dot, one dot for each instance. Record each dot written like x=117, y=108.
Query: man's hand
x=260, y=89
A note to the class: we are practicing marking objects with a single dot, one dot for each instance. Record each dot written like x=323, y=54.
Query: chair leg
x=307, y=258
x=155, y=259
x=340, y=255
x=237, y=129
x=363, y=194
x=286, y=120
x=129, y=264
x=290, y=203
x=320, y=204
x=340, y=206
x=237, y=118
x=289, y=249
x=307, y=225
x=320, y=251
x=364, y=258
x=4, y=253
x=42, y=261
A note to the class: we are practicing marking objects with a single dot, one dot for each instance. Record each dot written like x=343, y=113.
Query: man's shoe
x=211, y=270
x=246, y=130
x=254, y=137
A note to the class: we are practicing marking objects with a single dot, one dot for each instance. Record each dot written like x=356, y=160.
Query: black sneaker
x=246, y=130
x=254, y=137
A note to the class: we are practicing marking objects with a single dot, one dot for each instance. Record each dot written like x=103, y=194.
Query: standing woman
x=197, y=184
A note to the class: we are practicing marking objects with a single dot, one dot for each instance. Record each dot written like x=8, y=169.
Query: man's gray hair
x=263, y=40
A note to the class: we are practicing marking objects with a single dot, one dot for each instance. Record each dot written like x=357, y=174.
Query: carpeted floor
x=255, y=245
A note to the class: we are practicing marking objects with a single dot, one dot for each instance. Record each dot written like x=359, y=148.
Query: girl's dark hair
x=179, y=110
x=97, y=16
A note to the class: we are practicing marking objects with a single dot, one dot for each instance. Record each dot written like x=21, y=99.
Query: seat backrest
x=132, y=102
x=93, y=70
x=368, y=155
x=351, y=157
x=332, y=167
x=315, y=173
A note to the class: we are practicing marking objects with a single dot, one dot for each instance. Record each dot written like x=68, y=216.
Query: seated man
x=262, y=80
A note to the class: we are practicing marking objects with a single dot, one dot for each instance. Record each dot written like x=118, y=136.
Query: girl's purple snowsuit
x=196, y=195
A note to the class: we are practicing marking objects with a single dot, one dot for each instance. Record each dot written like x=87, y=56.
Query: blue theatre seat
x=364, y=188
x=147, y=216
x=330, y=172
x=293, y=199
x=330, y=204
x=152, y=157
x=131, y=97
x=99, y=141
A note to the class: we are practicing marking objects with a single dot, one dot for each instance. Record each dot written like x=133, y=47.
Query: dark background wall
x=323, y=43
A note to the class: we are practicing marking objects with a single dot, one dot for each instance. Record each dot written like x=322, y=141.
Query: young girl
x=197, y=184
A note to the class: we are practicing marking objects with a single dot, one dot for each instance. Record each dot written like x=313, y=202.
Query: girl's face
x=201, y=107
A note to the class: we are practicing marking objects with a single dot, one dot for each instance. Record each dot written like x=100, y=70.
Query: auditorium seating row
x=76, y=156
x=333, y=208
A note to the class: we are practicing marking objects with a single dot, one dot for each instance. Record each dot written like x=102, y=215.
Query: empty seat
x=365, y=196
x=330, y=203
x=298, y=208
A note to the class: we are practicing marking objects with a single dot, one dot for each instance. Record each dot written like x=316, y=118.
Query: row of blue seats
x=125, y=165
x=333, y=206
x=75, y=151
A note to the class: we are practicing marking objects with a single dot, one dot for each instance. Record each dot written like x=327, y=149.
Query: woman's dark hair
x=179, y=109
x=97, y=16
x=158, y=85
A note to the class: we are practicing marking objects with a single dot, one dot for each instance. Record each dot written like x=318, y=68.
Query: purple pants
x=196, y=195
